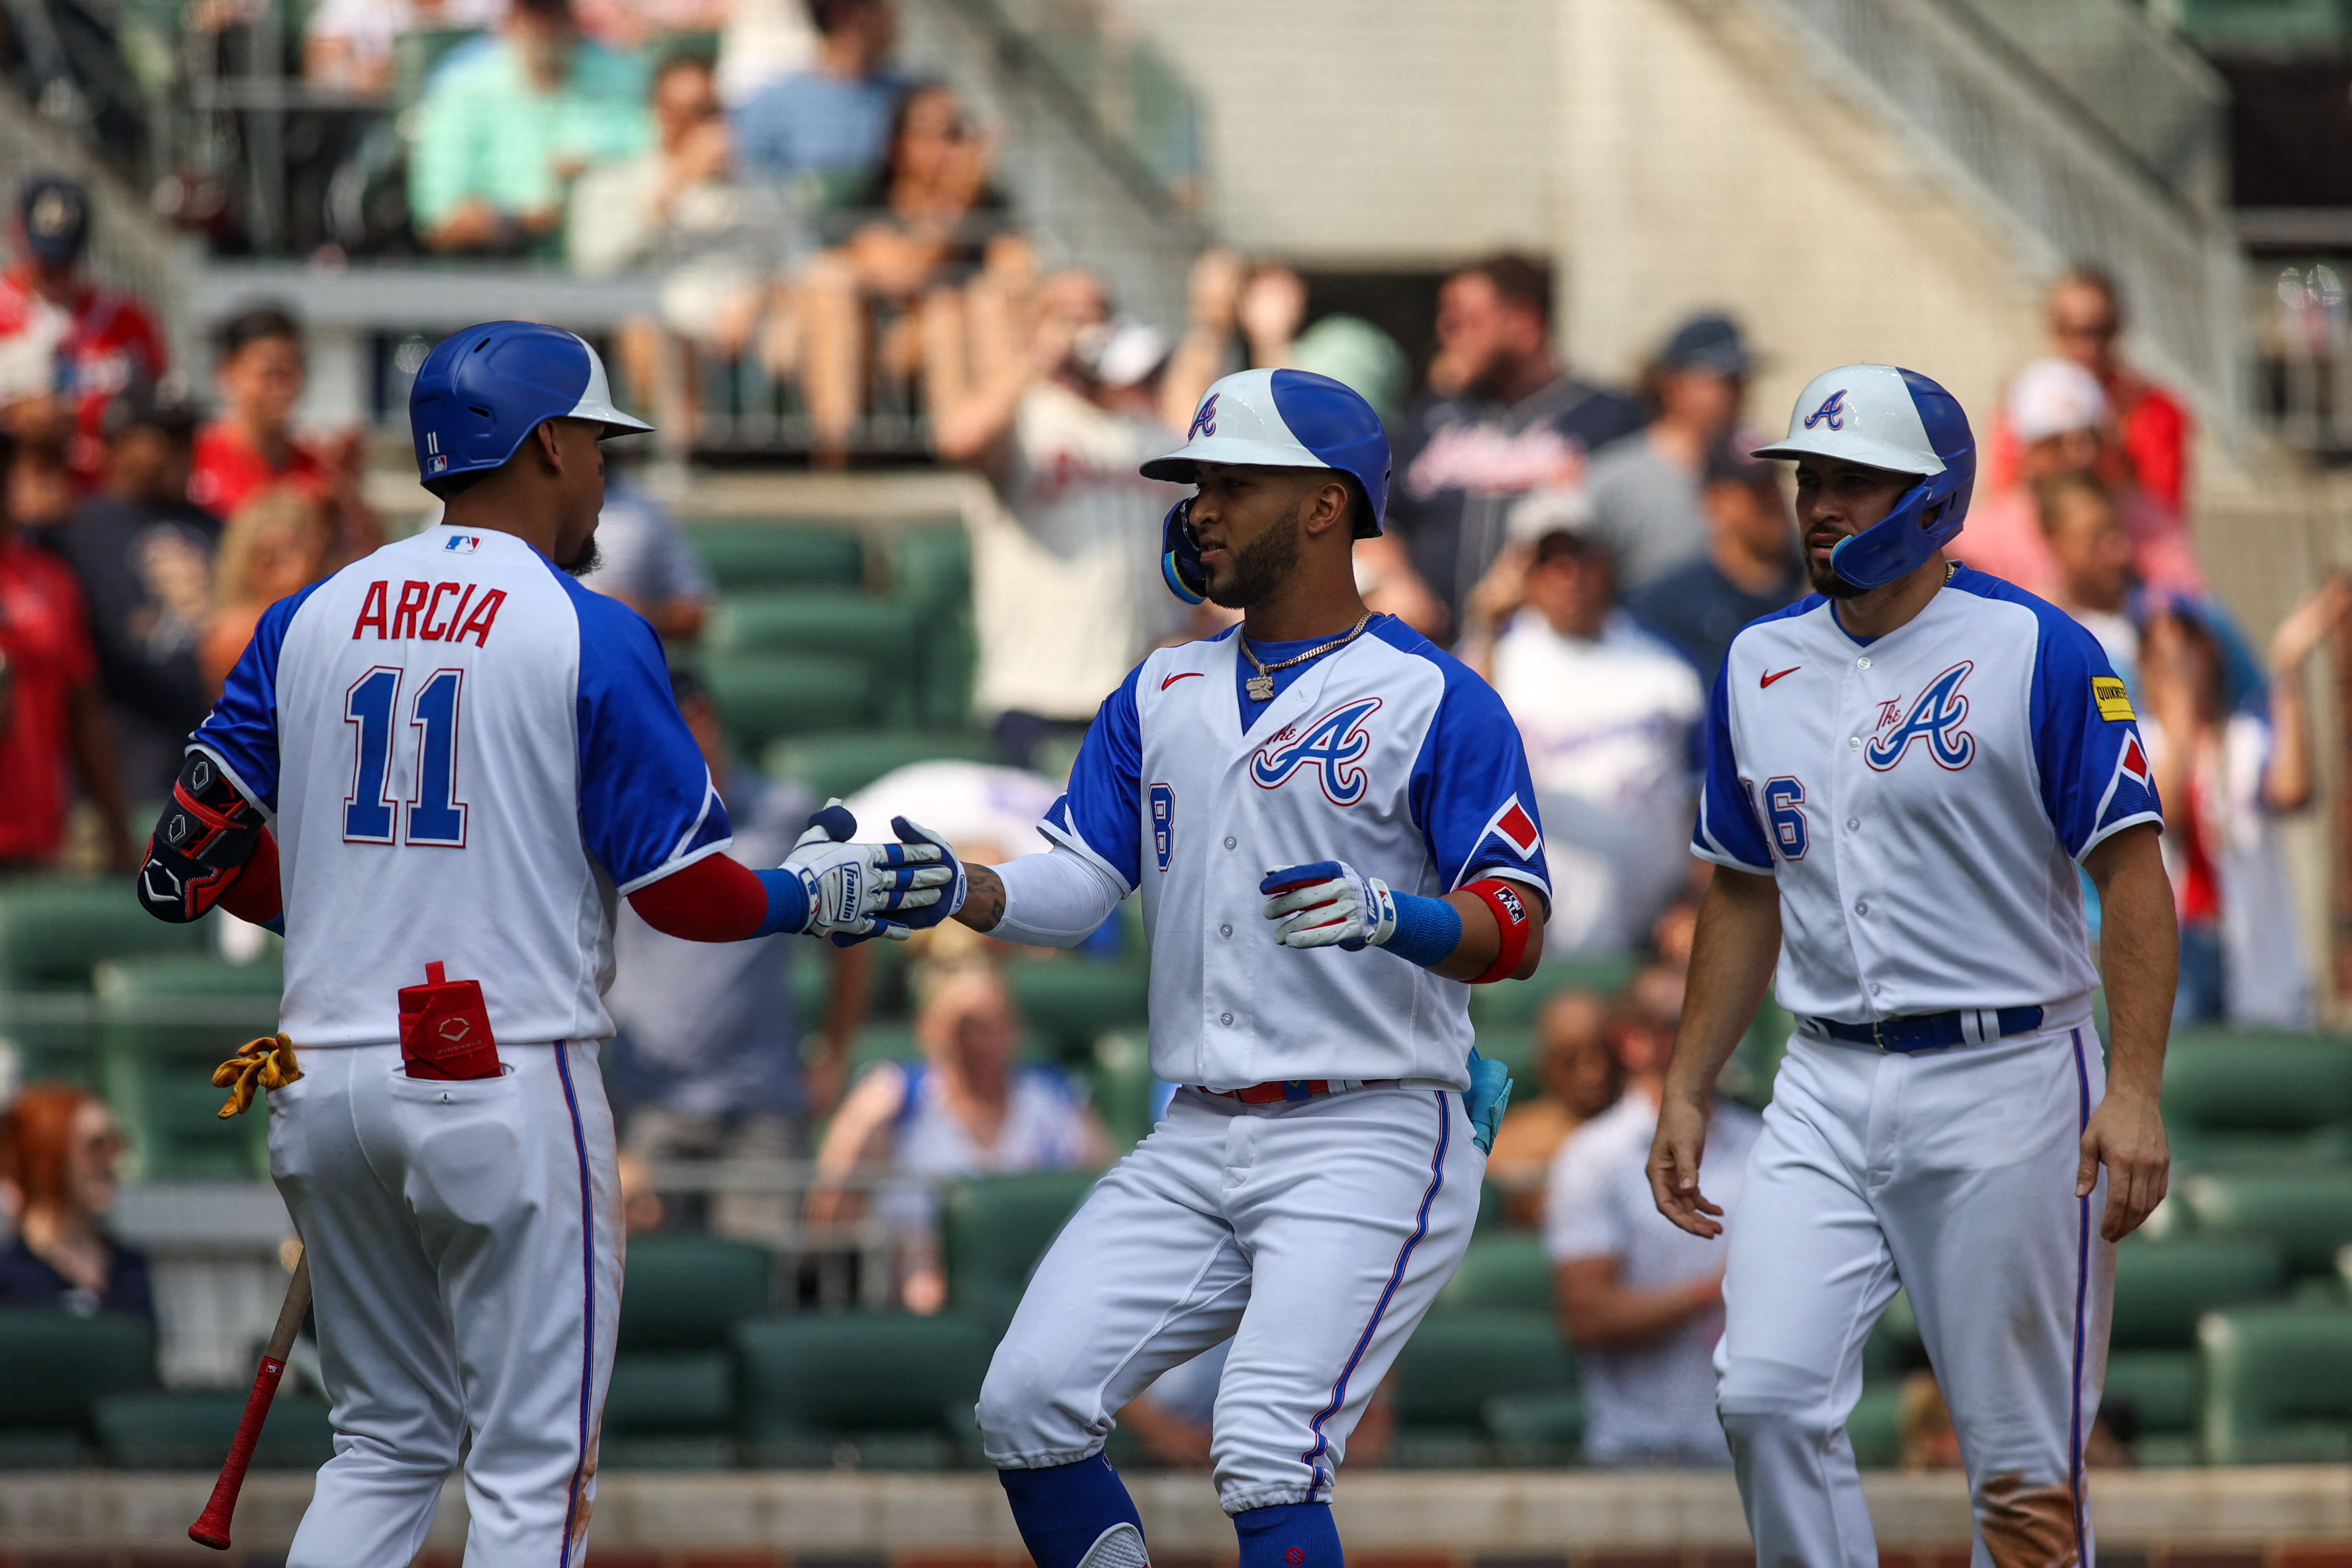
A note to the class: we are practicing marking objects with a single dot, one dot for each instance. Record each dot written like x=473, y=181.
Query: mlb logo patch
x=462, y=544
x=435, y=464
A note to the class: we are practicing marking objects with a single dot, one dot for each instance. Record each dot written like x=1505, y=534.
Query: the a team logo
x=1204, y=423
x=1935, y=718
x=1831, y=412
x=462, y=544
x=1333, y=745
x=1515, y=824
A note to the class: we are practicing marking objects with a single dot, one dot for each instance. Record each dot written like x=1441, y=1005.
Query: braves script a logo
x=1935, y=718
x=1831, y=412
x=1204, y=423
x=1331, y=745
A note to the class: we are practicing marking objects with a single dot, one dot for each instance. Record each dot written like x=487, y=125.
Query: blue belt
x=1928, y=1031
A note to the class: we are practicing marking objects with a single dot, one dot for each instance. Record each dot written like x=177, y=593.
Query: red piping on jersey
x=714, y=900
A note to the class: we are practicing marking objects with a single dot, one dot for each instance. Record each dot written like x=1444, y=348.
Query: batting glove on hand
x=1488, y=1096
x=1335, y=906
x=950, y=896
x=849, y=886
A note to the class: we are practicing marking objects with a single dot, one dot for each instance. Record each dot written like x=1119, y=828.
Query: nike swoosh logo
x=1174, y=679
x=1774, y=676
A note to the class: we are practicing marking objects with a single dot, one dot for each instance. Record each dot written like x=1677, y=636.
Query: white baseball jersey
x=1388, y=754
x=465, y=755
x=1921, y=798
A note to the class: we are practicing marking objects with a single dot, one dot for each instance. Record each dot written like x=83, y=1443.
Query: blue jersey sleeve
x=1729, y=831
x=1470, y=794
x=1099, y=814
x=242, y=728
x=2095, y=778
x=647, y=802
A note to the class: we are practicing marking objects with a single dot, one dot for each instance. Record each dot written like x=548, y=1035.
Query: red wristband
x=1511, y=910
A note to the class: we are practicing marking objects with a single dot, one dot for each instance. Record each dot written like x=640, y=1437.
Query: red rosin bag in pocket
x=444, y=1028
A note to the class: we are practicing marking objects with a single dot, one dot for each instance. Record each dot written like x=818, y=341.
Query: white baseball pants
x=1313, y=1234
x=465, y=1255
x=1951, y=1173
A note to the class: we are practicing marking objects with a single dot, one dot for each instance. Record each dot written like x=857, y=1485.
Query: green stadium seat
x=1514, y=1045
x=840, y=624
x=2278, y=1385
x=190, y=1429
x=684, y=1291
x=670, y=1409
x=2308, y=1214
x=1517, y=1003
x=156, y=1071
x=1535, y=1431
x=1073, y=1000
x=2163, y=1392
x=2164, y=1287
x=1118, y=1071
x=672, y=1401
x=829, y=765
x=993, y=1230
x=52, y=1365
x=930, y=570
x=55, y=929
x=882, y=1390
x=1510, y=1272
x=1456, y=1363
x=2265, y=26
x=762, y=697
x=1875, y=1427
x=748, y=556
x=2240, y=1099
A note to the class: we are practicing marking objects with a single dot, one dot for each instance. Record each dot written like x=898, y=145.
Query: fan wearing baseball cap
x=106, y=338
x=2063, y=424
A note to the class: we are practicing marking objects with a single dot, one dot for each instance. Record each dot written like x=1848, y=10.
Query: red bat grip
x=211, y=1528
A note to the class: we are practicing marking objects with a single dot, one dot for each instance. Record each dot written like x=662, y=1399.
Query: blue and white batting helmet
x=1287, y=419
x=1897, y=420
x=483, y=390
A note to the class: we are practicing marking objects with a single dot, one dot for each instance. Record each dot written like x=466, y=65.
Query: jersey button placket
x=1849, y=863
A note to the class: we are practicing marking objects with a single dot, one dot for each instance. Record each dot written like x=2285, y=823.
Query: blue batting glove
x=951, y=893
x=1335, y=905
x=1488, y=1096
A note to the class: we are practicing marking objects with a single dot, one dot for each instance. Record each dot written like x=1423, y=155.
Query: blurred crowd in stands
x=812, y=209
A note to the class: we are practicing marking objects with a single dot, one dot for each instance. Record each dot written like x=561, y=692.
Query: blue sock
x=1064, y=1510
x=1289, y=1535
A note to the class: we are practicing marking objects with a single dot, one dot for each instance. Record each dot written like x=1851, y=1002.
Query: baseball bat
x=211, y=1528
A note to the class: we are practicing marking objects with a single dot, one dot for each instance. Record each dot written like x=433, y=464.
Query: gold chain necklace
x=1260, y=686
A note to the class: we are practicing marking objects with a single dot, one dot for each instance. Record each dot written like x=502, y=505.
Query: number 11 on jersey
x=437, y=819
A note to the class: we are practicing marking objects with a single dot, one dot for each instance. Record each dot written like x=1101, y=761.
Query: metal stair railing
x=1982, y=116
x=1079, y=184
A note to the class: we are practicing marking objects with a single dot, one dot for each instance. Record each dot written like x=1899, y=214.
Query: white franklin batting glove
x=851, y=886
x=1335, y=905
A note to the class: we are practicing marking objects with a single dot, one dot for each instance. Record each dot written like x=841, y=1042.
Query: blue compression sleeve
x=1291, y=1535
x=1063, y=1509
x=1427, y=931
x=787, y=902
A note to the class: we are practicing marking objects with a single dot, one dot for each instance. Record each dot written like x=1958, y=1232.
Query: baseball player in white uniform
x=447, y=762
x=1905, y=770
x=1315, y=1182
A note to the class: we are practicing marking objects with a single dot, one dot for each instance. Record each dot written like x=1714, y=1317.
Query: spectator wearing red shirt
x=252, y=447
x=52, y=714
x=2148, y=444
x=107, y=339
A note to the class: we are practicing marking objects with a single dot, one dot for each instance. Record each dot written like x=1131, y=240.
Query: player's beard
x=1826, y=580
x=1262, y=565
x=587, y=561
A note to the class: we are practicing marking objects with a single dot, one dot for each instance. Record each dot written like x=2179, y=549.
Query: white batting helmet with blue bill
x=1287, y=419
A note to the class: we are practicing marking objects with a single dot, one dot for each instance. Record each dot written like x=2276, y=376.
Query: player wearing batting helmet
x=435, y=771
x=1904, y=772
